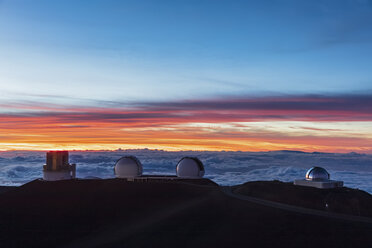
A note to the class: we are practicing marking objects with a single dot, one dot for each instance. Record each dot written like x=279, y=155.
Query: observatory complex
x=130, y=168
x=57, y=166
x=318, y=177
x=181, y=210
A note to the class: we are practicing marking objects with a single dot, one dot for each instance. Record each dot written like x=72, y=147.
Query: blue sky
x=161, y=50
x=176, y=75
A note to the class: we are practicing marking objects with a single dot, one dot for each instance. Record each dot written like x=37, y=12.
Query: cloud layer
x=226, y=168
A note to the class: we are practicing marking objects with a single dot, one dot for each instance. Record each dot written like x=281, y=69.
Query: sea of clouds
x=225, y=168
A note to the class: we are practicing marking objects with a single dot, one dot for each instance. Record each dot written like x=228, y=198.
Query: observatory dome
x=128, y=166
x=317, y=173
x=190, y=167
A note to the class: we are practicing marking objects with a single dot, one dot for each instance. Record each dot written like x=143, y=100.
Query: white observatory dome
x=317, y=173
x=190, y=167
x=128, y=166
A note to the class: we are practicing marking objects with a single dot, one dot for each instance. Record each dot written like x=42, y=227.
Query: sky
x=186, y=75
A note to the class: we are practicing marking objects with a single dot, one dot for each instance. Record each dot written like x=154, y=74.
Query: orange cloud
x=198, y=125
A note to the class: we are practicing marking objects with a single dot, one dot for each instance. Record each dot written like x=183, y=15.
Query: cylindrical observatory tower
x=57, y=166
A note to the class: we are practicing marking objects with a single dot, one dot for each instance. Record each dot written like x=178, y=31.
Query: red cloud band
x=164, y=122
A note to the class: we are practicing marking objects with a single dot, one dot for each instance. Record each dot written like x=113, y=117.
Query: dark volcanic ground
x=338, y=200
x=184, y=213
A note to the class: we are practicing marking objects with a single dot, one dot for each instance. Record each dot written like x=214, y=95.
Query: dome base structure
x=321, y=184
x=57, y=175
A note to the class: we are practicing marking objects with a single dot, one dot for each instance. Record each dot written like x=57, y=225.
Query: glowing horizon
x=304, y=123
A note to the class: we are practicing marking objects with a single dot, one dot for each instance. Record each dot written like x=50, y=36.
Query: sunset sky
x=186, y=75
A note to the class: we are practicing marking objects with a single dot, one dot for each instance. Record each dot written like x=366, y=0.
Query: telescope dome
x=128, y=166
x=190, y=167
x=317, y=173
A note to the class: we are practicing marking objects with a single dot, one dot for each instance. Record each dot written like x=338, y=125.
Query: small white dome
x=317, y=173
x=128, y=166
x=190, y=167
